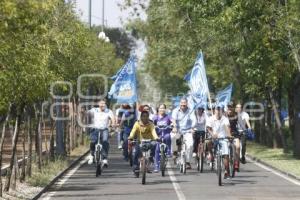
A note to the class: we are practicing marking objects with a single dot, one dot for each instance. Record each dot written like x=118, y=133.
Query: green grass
x=48, y=172
x=275, y=157
x=53, y=168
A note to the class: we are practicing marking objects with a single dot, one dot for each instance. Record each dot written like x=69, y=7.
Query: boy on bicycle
x=143, y=129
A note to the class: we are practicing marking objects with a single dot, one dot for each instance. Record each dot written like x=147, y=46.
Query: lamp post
x=102, y=35
x=90, y=14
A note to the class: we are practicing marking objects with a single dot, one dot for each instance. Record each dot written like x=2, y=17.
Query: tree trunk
x=23, y=174
x=269, y=135
x=52, y=124
x=29, y=139
x=14, y=148
x=1, y=149
x=75, y=114
x=60, y=147
x=38, y=142
x=297, y=117
x=278, y=122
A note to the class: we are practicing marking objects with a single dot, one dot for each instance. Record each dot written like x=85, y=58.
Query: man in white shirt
x=102, y=118
x=218, y=126
x=243, y=125
x=184, y=120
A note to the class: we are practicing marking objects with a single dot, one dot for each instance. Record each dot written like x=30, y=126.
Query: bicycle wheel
x=201, y=157
x=219, y=169
x=184, y=165
x=144, y=171
x=231, y=162
x=130, y=159
x=98, y=163
x=162, y=162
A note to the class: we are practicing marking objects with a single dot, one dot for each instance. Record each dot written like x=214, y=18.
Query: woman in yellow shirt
x=143, y=129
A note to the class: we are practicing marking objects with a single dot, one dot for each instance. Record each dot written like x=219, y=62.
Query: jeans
x=125, y=136
x=103, y=140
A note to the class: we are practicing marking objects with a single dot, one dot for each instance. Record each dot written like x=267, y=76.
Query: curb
x=252, y=158
x=75, y=162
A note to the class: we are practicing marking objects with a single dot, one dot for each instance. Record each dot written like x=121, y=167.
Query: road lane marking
x=47, y=196
x=276, y=173
x=176, y=186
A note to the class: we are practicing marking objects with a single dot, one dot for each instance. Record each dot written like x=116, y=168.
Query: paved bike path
x=118, y=182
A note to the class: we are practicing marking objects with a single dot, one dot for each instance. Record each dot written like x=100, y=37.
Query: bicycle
x=201, y=151
x=163, y=149
x=98, y=154
x=182, y=160
x=231, y=156
x=144, y=161
x=218, y=155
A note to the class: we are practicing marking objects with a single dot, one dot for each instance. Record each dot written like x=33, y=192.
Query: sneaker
x=155, y=171
x=194, y=155
x=91, y=159
x=105, y=163
x=120, y=147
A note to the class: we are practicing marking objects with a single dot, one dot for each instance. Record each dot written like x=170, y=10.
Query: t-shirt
x=185, y=121
x=141, y=131
x=128, y=119
x=242, y=117
x=162, y=121
x=201, y=122
x=218, y=125
x=101, y=118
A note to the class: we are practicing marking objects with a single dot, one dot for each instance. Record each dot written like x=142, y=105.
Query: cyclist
x=218, y=127
x=127, y=121
x=102, y=117
x=199, y=128
x=243, y=125
x=147, y=108
x=162, y=120
x=233, y=120
x=119, y=114
x=184, y=121
x=142, y=129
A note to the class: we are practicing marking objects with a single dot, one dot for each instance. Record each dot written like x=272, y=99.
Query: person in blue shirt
x=184, y=121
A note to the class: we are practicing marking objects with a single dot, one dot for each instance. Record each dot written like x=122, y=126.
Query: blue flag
x=176, y=101
x=198, y=80
x=187, y=77
x=224, y=96
x=124, y=88
x=196, y=100
x=114, y=77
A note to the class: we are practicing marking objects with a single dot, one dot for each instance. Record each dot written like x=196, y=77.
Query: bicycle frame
x=182, y=161
x=163, y=148
x=200, y=152
x=98, y=154
x=144, y=160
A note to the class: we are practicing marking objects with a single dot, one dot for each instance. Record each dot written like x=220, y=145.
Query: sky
x=113, y=13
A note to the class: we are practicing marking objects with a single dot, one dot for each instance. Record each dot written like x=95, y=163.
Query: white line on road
x=176, y=186
x=47, y=196
x=276, y=173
